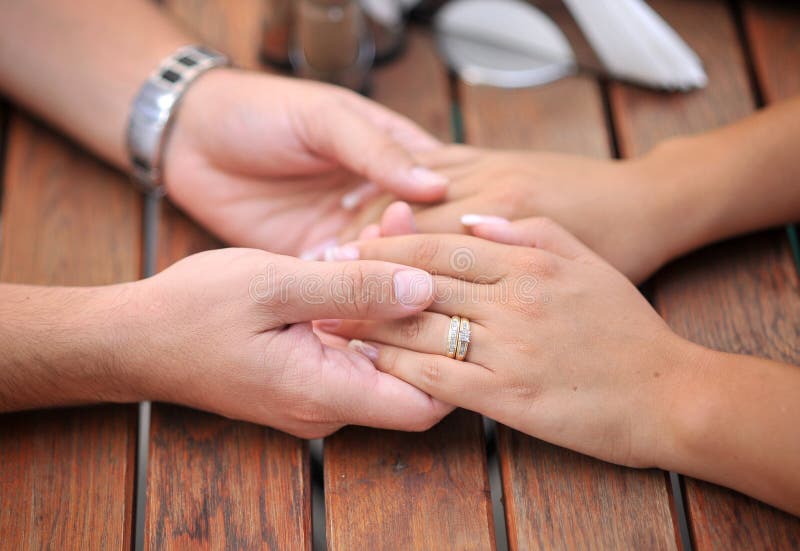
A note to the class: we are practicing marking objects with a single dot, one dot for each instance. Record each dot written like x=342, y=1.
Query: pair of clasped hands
x=291, y=165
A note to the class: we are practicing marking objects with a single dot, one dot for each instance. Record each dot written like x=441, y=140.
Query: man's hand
x=229, y=331
x=225, y=331
x=269, y=162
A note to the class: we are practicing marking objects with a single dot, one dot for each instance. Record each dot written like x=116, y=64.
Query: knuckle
x=355, y=294
x=426, y=252
x=431, y=373
x=536, y=263
x=410, y=329
x=510, y=196
x=545, y=224
x=389, y=361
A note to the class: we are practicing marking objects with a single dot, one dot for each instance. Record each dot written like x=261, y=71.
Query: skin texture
x=254, y=158
x=637, y=214
x=266, y=161
x=566, y=349
x=227, y=331
x=261, y=161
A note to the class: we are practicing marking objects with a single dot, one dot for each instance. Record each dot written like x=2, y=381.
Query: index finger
x=458, y=256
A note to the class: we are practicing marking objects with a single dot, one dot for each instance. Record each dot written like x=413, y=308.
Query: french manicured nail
x=328, y=325
x=428, y=178
x=476, y=219
x=364, y=348
x=354, y=199
x=412, y=287
x=317, y=252
x=345, y=252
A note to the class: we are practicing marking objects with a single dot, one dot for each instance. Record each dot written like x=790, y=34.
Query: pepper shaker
x=278, y=22
x=332, y=43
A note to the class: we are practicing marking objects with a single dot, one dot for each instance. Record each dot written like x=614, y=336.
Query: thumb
x=299, y=291
x=538, y=232
x=397, y=219
x=347, y=137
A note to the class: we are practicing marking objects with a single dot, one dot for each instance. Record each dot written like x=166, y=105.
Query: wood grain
x=213, y=482
x=642, y=118
x=232, y=27
x=392, y=490
x=740, y=296
x=66, y=476
x=773, y=35
x=221, y=484
x=556, y=498
x=396, y=490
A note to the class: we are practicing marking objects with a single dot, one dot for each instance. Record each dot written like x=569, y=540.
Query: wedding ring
x=464, y=335
x=452, y=336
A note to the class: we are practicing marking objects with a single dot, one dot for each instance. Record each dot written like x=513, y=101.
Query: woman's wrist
x=687, y=411
x=686, y=200
x=733, y=422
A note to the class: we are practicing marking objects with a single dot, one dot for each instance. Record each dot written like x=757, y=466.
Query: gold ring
x=452, y=336
x=464, y=334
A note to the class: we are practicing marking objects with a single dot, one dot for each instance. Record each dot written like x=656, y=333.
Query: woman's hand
x=622, y=210
x=229, y=331
x=275, y=163
x=564, y=347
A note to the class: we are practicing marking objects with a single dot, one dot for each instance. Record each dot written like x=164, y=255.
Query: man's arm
x=79, y=64
x=61, y=346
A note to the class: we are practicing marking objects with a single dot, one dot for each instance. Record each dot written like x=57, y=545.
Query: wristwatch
x=154, y=109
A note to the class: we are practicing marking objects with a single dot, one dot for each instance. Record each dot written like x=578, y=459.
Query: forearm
x=736, y=424
x=63, y=345
x=79, y=64
x=735, y=180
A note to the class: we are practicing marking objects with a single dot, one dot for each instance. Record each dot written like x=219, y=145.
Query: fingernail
x=318, y=251
x=364, y=348
x=345, y=252
x=354, y=199
x=475, y=219
x=412, y=287
x=428, y=178
x=328, y=325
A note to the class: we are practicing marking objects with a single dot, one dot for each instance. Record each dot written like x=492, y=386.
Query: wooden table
x=68, y=478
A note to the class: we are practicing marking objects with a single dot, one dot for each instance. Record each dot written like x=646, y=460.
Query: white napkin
x=635, y=43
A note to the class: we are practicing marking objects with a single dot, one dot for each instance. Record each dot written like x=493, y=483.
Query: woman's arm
x=738, y=179
x=637, y=214
x=735, y=423
x=565, y=348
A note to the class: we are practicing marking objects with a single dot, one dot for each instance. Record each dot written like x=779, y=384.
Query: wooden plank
x=773, y=36
x=222, y=484
x=740, y=296
x=556, y=498
x=66, y=476
x=233, y=27
x=213, y=482
x=393, y=490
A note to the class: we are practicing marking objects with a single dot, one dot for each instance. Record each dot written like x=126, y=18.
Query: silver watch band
x=154, y=109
